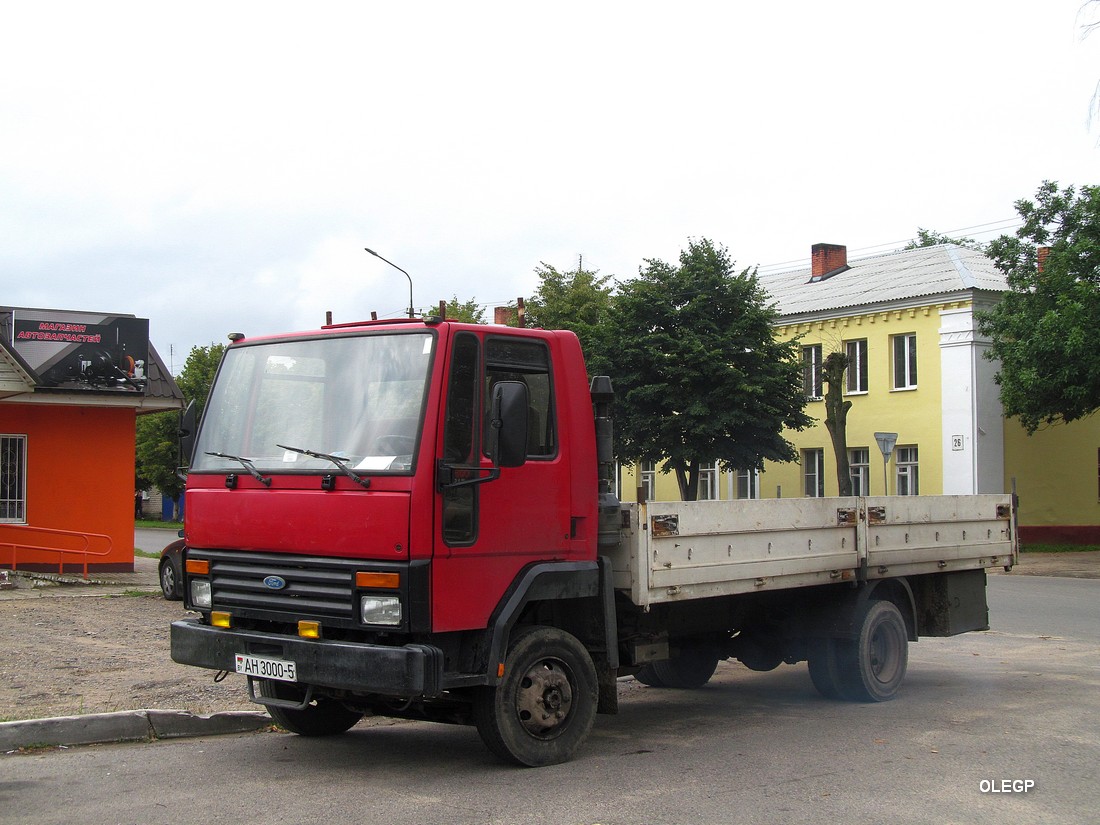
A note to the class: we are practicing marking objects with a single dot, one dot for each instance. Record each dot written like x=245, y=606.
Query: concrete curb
x=125, y=726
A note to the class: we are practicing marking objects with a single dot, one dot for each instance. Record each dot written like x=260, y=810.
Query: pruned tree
x=698, y=373
x=836, y=416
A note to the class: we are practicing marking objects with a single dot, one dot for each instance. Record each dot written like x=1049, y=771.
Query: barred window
x=13, y=479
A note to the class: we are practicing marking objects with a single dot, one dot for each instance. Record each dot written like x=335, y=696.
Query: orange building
x=71, y=386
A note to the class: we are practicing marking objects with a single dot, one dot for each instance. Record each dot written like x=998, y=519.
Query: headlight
x=380, y=610
x=200, y=592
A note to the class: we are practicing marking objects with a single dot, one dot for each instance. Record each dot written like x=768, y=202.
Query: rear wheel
x=545, y=705
x=689, y=670
x=322, y=717
x=825, y=668
x=873, y=665
x=869, y=667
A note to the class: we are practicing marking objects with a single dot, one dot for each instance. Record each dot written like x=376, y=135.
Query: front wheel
x=170, y=579
x=545, y=705
x=322, y=717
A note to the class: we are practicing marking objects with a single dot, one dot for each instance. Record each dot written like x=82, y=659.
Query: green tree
x=580, y=300
x=158, y=458
x=698, y=373
x=467, y=312
x=1043, y=331
x=930, y=237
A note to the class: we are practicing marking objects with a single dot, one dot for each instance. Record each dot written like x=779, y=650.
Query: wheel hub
x=544, y=698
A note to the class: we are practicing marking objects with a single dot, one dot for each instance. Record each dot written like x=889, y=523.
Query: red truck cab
x=371, y=507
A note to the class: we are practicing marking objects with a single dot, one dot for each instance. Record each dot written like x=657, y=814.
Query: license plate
x=262, y=668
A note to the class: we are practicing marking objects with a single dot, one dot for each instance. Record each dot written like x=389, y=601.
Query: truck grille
x=313, y=586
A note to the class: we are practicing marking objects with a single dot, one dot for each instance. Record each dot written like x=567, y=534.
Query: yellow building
x=917, y=375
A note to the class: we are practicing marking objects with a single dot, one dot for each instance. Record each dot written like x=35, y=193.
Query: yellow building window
x=811, y=371
x=905, y=361
x=813, y=473
x=855, y=377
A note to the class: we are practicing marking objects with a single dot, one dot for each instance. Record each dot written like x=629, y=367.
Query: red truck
x=416, y=519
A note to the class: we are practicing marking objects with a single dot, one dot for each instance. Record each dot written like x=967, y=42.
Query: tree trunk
x=836, y=417
x=687, y=477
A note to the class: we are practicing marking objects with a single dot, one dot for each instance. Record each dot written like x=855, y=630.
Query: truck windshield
x=359, y=399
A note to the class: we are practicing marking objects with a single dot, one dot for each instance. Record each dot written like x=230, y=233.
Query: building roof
x=160, y=386
x=16, y=376
x=891, y=278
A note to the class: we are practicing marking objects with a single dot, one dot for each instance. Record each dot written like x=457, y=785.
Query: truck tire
x=544, y=707
x=824, y=668
x=322, y=717
x=872, y=666
x=690, y=670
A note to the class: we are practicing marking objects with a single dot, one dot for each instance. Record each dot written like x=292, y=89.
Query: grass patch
x=158, y=524
x=1058, y=548
x=145, y=554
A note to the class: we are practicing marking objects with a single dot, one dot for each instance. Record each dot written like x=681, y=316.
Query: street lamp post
x=412, y=312
x=886, y=442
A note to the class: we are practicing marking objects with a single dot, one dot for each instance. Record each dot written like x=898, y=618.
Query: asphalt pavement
x=131, y=725
x=163, y=724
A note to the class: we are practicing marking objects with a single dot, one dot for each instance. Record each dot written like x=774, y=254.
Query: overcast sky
x=219, y=167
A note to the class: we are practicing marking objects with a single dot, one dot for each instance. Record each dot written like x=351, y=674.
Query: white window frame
x=859, y=466
x=709, y=477
x=647, y=479
x=813, y=473
x=748, y=484
x=13, y=478
x=906, y=461
x=855, y=376
x=904, y=360
x=812, y=376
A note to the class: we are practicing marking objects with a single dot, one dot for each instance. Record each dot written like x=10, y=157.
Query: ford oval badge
x=274, y=582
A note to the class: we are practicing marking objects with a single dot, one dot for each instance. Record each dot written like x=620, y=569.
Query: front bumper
x=409, y=670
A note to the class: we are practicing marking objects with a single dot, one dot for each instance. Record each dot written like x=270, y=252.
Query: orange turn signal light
x=309, y=630
x=384, y=581
x=219, y=618
x=198, y=567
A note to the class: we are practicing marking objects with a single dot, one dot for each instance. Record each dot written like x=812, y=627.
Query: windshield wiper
x=340, y=462
x=248, y=465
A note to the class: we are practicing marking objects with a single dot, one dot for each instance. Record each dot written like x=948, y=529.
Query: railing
x=82, y=543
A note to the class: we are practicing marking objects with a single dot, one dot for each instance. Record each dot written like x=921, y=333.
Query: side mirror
x=188, y=423
x=507, y=436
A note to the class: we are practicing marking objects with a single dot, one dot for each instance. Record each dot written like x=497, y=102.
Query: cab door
x=494, y=521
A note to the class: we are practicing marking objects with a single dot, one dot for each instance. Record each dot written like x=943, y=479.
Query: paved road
x=1017, y=703
x=153, y=539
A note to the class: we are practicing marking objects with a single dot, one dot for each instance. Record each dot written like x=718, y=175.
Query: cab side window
x=509, y=359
